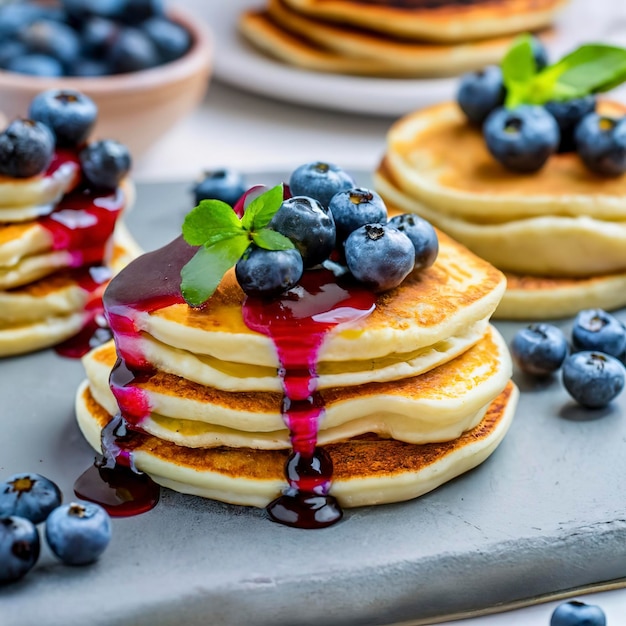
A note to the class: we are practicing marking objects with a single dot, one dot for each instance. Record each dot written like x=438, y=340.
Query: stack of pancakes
x=559, y=234
x=46, y=291
x=416, y=38
x=415, y=394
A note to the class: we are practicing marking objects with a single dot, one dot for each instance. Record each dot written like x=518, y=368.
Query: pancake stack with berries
x=60, y=238
x=304, y=351
x=527, y=169
x=419, y=38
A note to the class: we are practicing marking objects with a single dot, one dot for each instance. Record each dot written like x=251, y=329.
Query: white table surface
x=253, y=134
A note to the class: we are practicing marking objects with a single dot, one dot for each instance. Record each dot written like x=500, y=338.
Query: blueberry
x=568, y=115
x=379, y=256
x=593, y=379
x=319, y=180
x=601, y=144
x=97, y=35
x=10, y=49
x=422, y=235
x=263, y=272
x=575, y=613
x=52, y=38
x=19, y=548
x=539, y=349
x=480, y=92
x=89, y=67
x=136, y=11
x=78, y=533
x=354, y=208
x=595, y=329
x=80, y=11
x=36, y=65
x=14, y=18
x=70, y=115
x=309, y=225
x=521, y=139
x=171, y=39
x=29, y=495
x=105, y=163
x=540, y=54
x=26, y=149
x=132, y=51
x=225, y=184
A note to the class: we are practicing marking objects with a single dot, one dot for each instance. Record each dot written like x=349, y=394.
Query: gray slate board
x=545, y=513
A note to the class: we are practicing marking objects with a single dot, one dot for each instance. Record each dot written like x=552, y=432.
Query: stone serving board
x=545, y=514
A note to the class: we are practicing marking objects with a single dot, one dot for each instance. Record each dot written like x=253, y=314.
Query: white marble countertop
x=251, y=133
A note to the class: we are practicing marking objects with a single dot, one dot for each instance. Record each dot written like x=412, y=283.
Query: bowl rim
x=198, y=58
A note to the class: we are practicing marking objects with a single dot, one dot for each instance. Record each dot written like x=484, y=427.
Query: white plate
x=239, y=65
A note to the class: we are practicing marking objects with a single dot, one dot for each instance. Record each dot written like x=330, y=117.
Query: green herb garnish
x=590, y=69
x=224, y=238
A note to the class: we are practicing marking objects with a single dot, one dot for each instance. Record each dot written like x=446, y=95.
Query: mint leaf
x=262, y=209
x=209, y=222
x=518, y=64
x=271, y=240
x=201, y=276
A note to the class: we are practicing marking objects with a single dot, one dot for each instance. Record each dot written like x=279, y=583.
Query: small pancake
x=368, y=470
x=321, y=46
x=443, y=21
x=435, y=406
x=438, y=158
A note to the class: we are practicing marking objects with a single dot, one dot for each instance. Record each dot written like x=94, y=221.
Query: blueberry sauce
x=297, y=322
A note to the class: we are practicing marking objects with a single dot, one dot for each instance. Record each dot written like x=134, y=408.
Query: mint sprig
x=590, y=69
x=223, y=238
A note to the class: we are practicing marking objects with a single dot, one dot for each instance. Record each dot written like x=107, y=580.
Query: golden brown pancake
x=436, y=21
x=368, y=470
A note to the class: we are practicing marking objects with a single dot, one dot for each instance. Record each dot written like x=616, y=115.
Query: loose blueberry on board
x=593, y=379
x=310, y=227
x=319, y=180
x=78, y=533
x=29, y=495
x=70, y=115
x=35, y=65
x=521, y=139
x=224, y=184
x=422, y=235
x=481, y=92
x=539, y=349
x=379, y=256
x=170, y=39
x=568, y=114
x=26, y=149
x=105, y=163
x=268, y=273
x=601, y=144
x=595, y=329
x=19, y=548
x=575, y=613
x=355, y=207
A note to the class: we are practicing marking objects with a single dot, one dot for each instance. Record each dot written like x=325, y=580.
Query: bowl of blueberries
x=145, y=65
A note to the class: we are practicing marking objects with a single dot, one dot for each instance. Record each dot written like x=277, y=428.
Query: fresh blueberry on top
x=422, y=235
x=540, y=53
x=480, y=92
x=319, y=180
x=78, y=533
x=575, y=613
x=568, y=114
x=105, y=163
x=70, y=115
x=595, y=329
x=309, y=226
x=521, y=139
x=35, y=65
x=19, y=548
x=29, y=495
x=379, y=256
x=132, y=51
x=268, y=273
x=26, y=149
x=539, y=349
x=356, y=207
x=52, y=38
x=593, y=379
x=225, y=184
x=601, y=144
x=171, y=39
